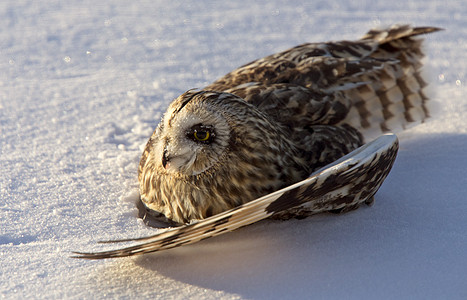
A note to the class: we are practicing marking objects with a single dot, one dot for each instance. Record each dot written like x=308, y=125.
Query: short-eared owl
x=273, y=122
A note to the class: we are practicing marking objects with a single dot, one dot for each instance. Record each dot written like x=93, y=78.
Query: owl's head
x=198, y=132
x=213, y=151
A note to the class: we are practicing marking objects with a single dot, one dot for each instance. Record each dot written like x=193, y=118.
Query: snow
x=84, y=83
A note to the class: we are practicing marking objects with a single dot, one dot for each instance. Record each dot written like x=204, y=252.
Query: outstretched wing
x=322, y=65
x=353, y=179
x=374, y=84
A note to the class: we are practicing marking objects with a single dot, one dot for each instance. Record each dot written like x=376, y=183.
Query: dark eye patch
x=201, y=133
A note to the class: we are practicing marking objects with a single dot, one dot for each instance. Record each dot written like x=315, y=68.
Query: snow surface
x=84, y=83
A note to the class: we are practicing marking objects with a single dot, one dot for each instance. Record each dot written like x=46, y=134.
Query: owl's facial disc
x=193, y=142
x=183, y=158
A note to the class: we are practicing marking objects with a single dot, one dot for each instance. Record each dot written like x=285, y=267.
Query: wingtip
x=82, y=255
x=427, y=29
x=90, y=256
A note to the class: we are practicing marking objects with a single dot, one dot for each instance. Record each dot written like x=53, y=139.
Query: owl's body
x=274, y=121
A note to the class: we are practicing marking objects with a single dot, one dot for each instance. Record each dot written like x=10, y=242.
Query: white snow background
x=84, y=83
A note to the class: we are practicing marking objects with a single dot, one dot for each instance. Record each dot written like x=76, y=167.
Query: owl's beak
x=165, y=159
x=177, y=162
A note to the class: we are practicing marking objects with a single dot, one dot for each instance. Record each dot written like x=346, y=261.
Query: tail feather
x=397, y=32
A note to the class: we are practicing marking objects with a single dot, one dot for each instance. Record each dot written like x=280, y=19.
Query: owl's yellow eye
x=201, y=133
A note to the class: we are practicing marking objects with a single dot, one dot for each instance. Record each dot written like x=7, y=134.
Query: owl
x=243, y=148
